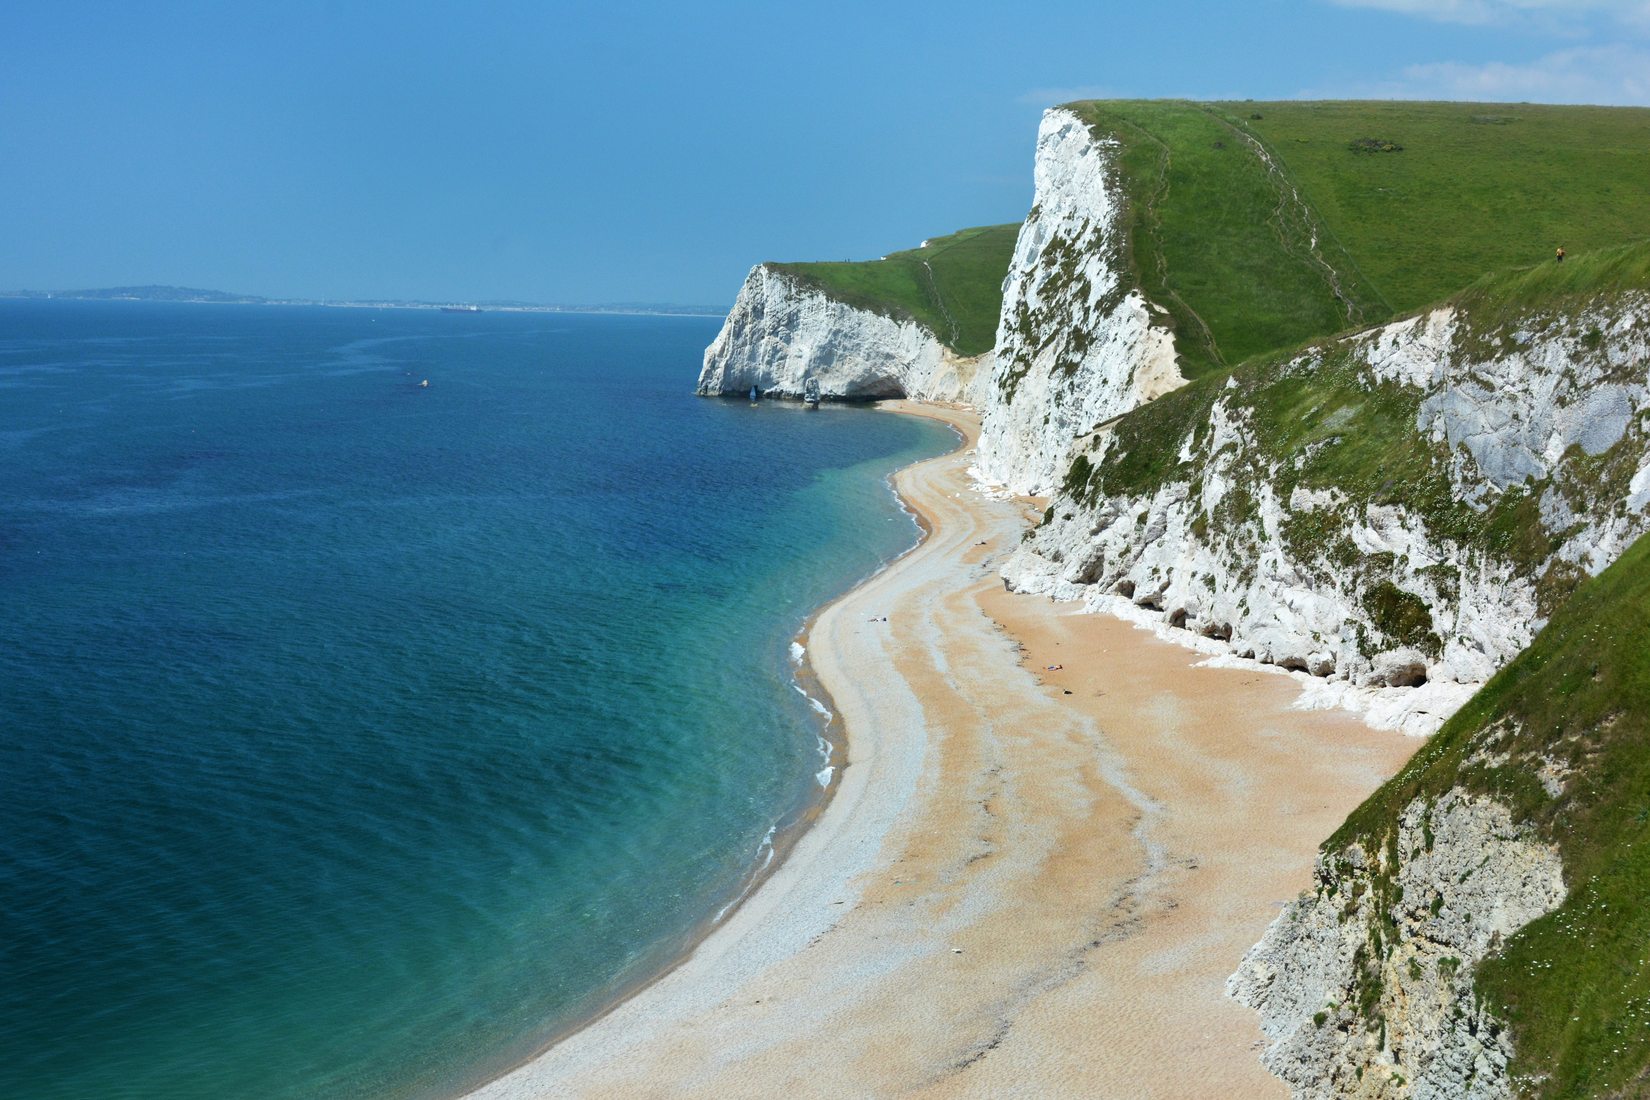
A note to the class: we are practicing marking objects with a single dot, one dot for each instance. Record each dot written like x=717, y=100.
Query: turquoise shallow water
x=355, y=736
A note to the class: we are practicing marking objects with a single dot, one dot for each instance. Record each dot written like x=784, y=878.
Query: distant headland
x=219, y=297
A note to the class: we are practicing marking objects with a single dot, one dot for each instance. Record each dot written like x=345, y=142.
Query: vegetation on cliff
x=1561, y=736
x=1259, y=226
x=1316, y=419
x=1263, y=229
x=952, y=285
x=1262, y=225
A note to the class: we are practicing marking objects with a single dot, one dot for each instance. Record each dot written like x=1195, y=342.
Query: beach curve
x=1052, y=840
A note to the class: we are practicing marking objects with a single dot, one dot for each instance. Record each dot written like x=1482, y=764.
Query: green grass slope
x=1218, y=239
x=1580, y=281
x=1475, y=187
x=953, y=286
x=1575, y=985
x=1259, y=226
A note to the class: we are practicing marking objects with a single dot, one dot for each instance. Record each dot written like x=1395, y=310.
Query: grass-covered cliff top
x=952, y=285
x=1261, y=225
x=1579, y=281
x=1574, y=985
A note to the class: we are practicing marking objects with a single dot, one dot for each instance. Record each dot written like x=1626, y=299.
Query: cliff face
x=1394, y=516
x=1364, y=987
x=782, y=331
x=1400, y=508
x=1076, y=344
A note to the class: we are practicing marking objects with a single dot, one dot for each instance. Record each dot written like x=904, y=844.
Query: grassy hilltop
x=952, y=285
x=1262, y=225
x=1259, y=226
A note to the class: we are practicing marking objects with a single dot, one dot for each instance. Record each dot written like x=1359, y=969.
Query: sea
x=360, y=735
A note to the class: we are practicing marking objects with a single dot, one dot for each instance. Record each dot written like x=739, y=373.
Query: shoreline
x=786, y=834
x=1001, y=837
x=832, y=733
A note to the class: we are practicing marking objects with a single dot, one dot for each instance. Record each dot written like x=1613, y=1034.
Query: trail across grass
x=1263, y=225
x=1215, y=237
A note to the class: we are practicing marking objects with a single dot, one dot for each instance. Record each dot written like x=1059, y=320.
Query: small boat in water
x=424, y=384
x=753, y=395
x=810, y=393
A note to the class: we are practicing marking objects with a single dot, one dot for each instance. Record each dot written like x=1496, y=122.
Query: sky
x=575, y=152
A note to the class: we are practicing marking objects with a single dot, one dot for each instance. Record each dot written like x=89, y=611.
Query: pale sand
x=1015, y=891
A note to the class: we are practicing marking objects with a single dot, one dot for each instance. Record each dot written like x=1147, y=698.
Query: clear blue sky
x=574, y=152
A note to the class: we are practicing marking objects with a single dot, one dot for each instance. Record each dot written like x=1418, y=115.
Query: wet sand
x=1030, y=881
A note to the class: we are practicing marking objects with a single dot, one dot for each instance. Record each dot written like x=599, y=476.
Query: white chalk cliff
x=783, y=331
x=1075, y=342
x=1296, y=576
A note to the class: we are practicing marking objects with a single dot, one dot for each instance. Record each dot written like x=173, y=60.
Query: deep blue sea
x=356, y=736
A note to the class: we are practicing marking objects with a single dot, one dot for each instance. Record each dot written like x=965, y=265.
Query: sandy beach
x=1054, y=839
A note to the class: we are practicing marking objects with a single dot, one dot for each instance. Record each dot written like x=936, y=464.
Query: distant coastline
x=196, y=296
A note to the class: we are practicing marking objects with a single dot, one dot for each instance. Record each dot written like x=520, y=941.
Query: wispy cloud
x=1601, y=74
x=1609, y=64
x=1633, y=13
x=1613, y=75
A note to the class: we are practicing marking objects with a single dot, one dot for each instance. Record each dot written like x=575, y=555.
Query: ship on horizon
x=460, y=309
